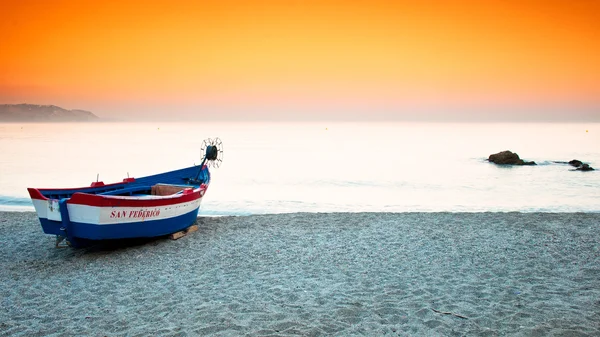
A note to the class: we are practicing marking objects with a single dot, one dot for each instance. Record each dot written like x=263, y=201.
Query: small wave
x=6, y=200
x=216, y=213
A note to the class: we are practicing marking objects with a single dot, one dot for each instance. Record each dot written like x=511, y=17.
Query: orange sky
x=286, y=58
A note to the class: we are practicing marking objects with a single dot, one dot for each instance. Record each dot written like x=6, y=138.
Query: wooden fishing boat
x=150, y=206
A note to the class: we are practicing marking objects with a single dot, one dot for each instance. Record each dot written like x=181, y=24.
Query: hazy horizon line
x=312, y=121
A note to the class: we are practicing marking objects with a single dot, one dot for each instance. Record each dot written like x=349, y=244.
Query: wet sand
x=342, y=274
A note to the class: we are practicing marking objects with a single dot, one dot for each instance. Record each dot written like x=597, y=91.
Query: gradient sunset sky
x=298, y=60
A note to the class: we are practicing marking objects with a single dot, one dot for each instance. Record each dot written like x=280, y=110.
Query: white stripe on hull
x=41, y=208
x=115, y=215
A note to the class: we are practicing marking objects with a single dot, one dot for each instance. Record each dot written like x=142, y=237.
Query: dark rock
x=580, y=166
x=585, y=167
x=575, y=163
x=508, y=158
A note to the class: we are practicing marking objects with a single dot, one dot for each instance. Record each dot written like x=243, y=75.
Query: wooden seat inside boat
x=167, y=189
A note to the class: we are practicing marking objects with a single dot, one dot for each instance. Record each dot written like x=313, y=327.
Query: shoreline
x=488, y=273
x=31, y=209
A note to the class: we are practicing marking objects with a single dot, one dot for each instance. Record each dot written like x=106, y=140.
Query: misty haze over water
x=319, y=166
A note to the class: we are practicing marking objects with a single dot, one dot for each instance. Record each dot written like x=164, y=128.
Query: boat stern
x=48, y=212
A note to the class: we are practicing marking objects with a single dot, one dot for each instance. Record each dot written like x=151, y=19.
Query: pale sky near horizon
x=306, y=60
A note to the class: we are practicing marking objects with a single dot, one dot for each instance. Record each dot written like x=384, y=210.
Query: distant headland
x=43, y=113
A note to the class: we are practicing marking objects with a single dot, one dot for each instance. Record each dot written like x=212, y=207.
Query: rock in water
x=508, y=158
x=575, y=163
x=585, y=167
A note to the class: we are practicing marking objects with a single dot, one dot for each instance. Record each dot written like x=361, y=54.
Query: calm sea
x=318, y=167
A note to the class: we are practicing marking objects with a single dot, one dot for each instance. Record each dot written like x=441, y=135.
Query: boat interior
x=138, y=190
x=157, y=185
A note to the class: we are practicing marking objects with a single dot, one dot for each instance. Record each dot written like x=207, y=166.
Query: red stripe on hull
x=34, y=193
x=115, y=201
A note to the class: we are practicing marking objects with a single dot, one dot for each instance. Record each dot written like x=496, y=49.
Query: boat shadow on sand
x=202, y=230
x=119, y=244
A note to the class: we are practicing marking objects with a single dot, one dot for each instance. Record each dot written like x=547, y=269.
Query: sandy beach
x=304, y=274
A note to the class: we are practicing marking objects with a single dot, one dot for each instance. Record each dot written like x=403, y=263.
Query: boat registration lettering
x=144, y=213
